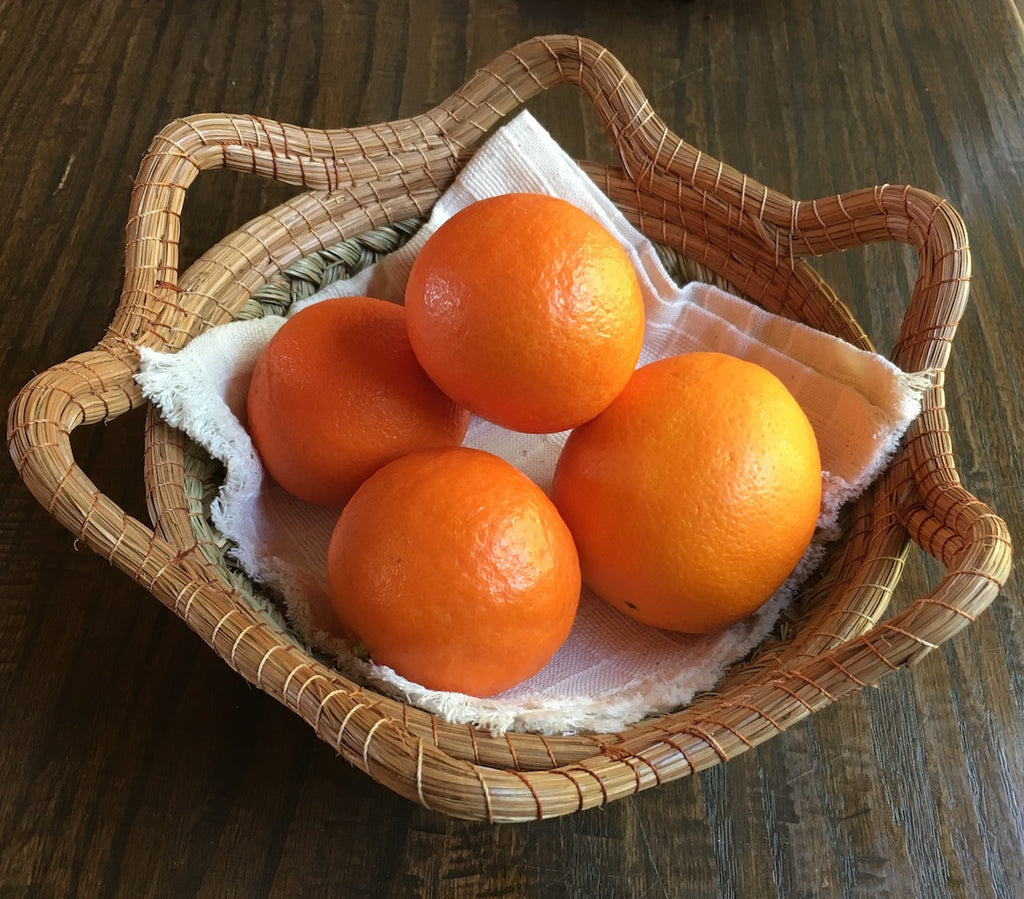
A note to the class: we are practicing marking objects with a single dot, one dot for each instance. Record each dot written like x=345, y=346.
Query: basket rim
x=363, y=177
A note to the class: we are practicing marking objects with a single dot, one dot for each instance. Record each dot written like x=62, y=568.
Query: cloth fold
x=611, y=671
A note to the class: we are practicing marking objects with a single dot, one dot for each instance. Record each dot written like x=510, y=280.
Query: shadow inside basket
x=204, y=475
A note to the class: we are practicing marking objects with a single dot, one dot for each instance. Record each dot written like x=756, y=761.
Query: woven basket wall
x=367, y=187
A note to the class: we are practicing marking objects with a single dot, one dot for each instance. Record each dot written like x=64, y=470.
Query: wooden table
x=133, y=762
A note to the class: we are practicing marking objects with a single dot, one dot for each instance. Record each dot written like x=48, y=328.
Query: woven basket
x=364, y=185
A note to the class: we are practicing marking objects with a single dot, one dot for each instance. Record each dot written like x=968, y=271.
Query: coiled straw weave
x=363, y=184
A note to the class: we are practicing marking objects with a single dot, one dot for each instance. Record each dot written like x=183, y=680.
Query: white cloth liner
x=611, y=671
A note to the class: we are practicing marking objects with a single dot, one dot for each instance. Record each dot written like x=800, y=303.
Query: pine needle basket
x=364, y=185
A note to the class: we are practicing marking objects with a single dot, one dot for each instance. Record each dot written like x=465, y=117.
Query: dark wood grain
x=134, y=763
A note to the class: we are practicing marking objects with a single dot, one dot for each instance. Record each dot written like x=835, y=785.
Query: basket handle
x=353, y=173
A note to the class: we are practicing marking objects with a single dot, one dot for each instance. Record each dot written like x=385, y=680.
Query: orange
x=527, y=311
x=337, y=393
x=454, y=569
x=693, y=496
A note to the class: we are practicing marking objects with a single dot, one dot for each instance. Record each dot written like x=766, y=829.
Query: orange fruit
x=337, y=393
x=527, y=311
x=693, y=496
x=454, y=569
